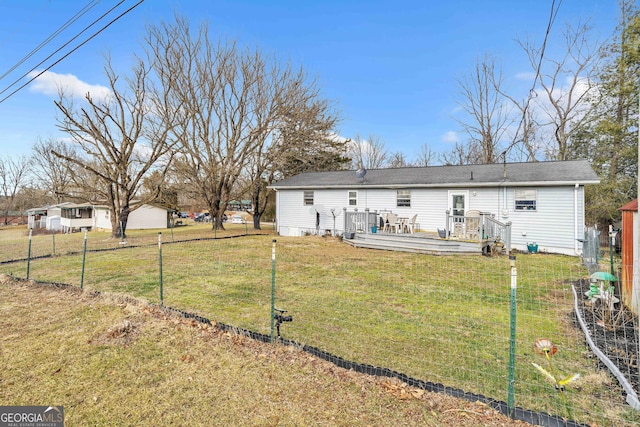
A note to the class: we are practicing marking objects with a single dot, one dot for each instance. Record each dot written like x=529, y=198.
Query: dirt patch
x=123, y=333
x=618, y=340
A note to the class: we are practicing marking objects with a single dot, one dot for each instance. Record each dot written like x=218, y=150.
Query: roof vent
x=471, y=175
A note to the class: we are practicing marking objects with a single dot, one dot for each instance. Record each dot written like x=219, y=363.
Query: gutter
x=442, y=185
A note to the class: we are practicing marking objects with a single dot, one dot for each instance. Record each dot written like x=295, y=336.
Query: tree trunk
x=258, y=210
x=119, y=223
x=256, y=221
x=215, y=213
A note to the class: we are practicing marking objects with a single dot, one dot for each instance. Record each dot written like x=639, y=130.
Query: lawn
x=115, y=362
x=441, y=319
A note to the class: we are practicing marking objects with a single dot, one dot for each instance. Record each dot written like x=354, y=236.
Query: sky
x=390, y=67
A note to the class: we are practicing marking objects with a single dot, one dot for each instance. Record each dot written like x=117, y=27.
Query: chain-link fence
x=466, y=322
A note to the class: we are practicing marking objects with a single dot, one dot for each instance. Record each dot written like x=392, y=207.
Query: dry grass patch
x=116, y=361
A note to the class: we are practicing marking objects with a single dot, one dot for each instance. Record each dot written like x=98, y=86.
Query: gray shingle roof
x=488, y=175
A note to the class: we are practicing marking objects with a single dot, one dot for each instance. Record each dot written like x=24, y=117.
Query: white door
x=458, y=204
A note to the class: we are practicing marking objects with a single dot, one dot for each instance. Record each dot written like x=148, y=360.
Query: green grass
x=442, y=319
x=66, y=348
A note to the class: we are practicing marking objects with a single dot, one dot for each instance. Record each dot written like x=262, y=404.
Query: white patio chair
x=391, y=223
x=472, y=225
x=409, y=226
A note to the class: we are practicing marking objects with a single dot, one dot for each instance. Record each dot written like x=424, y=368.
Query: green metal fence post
x=160, y=254
x=84, y=258
x=29, y=254
x=273, y=289
x=512, y=338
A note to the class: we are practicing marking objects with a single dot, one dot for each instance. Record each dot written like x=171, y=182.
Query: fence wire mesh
x=443, y=319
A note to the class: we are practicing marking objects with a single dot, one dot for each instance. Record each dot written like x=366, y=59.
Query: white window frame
x=307, y=196
x=352, y=196
x=525, y=199
x=406, y=199
x=465, y=201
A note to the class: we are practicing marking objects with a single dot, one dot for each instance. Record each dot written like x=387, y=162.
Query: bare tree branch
x=123, y=137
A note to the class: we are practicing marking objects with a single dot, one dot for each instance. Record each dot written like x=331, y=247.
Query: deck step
x=417, y=243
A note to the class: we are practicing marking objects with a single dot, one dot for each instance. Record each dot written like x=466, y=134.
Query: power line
x=66, y=25
x=61, y=47
x=552, y=18
x=71, y=51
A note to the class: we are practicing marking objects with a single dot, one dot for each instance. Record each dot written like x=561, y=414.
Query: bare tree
x=303, y=141
x=396, y=160
x=241, y=111
x=51, y=171
x=370, y=153
x=13, y=176
x=567, y=108
x=461, y=154
x=488, y=113
x=123, y=137
x=426, y=156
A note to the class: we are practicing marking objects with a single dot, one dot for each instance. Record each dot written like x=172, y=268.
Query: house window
x=403, y=199
x=78, y=213
x=525, y=200
x=353, y=198
x=308, y=198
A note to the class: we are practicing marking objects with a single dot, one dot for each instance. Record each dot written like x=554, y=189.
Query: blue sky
x=391, y=67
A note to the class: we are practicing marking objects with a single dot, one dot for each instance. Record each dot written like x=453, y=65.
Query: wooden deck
x=421, y=242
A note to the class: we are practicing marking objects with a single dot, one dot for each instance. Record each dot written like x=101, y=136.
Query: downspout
x=504, y=199
x=575, y=219
x=277, y=219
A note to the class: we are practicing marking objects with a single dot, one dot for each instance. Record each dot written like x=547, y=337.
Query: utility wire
x=61, y=47
x=71, y=51
x=552, y=18
x=66, y=25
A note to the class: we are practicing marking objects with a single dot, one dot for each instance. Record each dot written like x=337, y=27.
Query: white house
x=76, y=216
x=543, y=201
x=144, y=217
x=46, y=217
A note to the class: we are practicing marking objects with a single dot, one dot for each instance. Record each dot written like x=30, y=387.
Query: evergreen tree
x=611, y=140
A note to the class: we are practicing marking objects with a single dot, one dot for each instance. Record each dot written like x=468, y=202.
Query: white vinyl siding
x=553, y=225
x=147, y=217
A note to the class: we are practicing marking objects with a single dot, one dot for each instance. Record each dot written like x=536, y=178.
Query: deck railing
x=360, y=221
x=479, y=227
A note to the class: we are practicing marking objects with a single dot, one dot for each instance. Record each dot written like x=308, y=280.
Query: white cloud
x=450, y=137
x=526, y=76
x=338, y=138
x=50, y=83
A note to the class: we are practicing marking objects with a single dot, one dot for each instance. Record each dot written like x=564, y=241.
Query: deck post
x=344, y=227
x=367, y=230
x=446, y=224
